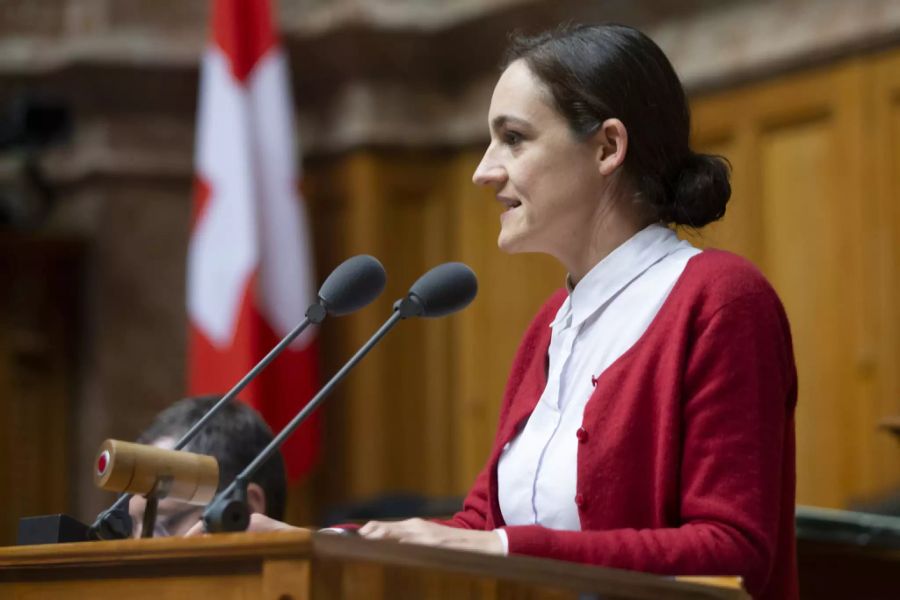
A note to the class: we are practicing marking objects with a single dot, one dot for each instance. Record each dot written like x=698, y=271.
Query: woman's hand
x=258, y=522
x=417, y=531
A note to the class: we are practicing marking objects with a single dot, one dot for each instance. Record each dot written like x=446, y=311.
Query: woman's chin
x=510, y=243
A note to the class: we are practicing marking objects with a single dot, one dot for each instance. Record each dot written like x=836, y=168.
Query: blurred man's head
x=234, y=437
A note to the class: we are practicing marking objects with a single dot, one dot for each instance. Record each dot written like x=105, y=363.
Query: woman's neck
x=607, y=231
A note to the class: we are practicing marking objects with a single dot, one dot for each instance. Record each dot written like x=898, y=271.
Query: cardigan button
x=579, y=500
x=581, y=434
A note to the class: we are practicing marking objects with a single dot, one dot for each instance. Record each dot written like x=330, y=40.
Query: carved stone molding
x=390, y=72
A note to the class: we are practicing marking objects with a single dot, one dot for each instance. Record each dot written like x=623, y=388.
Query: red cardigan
x=686, y=455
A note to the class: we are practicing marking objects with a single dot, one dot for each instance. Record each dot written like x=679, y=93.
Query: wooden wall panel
x=418, y=385
x=512, y=289
x=884, y=231
x=802, y=227
x=390, y=426
x=803, y=211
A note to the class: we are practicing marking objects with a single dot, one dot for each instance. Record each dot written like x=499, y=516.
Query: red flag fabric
x=250, y=274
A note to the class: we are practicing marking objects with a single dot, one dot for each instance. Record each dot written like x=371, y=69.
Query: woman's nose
x=488, y=172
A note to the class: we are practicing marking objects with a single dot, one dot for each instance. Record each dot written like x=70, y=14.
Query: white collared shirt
x=604, y=315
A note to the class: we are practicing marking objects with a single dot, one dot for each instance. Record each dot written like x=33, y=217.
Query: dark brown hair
x=598, y=72
x=234, y=437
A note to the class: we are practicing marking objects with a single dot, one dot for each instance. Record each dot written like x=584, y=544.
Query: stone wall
x=407, y=72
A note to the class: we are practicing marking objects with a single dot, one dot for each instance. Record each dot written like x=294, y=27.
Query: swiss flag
x=250, y=276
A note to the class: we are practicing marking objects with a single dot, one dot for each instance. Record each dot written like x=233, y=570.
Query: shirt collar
x=613, y=274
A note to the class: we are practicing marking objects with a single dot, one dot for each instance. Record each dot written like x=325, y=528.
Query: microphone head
x=444, y=289
x=353, y=284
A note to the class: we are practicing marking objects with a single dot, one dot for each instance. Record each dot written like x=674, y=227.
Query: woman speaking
x=647, y=422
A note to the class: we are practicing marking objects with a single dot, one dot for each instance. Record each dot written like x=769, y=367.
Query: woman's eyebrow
x=501, y=121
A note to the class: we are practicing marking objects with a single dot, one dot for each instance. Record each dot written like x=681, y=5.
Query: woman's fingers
x=417, y=531
x=197, y=529
x=369, y=528
x=390, y=530
x=410, y=531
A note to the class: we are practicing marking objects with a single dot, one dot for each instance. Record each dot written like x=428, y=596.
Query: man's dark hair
x=234, y=437
x=598, y=72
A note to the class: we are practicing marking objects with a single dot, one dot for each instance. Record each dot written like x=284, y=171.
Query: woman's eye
x=511, y=138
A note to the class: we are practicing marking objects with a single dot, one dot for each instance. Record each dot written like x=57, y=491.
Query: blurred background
x=98, y=102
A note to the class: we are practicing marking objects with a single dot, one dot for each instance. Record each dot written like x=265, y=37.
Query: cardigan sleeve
x=476, y=506
x=737, y=407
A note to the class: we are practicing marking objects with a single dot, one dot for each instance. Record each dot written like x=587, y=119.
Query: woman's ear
x=256, y=498
x=612, y=144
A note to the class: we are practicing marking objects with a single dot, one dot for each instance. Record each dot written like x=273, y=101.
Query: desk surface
x=233, y=565
x=283, y=543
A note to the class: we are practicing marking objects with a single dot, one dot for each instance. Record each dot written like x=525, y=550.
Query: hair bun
x=699, y=192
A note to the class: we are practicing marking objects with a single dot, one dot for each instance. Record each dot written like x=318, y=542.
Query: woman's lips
x=508, y=211
x=510, y=203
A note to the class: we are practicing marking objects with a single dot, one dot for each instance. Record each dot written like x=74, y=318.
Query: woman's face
x=547, y=181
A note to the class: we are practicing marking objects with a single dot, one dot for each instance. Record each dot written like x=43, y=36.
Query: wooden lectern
x=302, y=564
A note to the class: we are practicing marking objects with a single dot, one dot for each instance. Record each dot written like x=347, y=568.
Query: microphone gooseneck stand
x=444, y=289
x=115, y=522
x=350, y=286
x=229, y=510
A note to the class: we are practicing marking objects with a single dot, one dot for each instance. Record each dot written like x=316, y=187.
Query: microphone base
x=228, y=513
x=114, y=523
x=51, y=529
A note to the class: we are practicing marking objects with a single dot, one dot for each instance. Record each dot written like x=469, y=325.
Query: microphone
x=355, y=283
x=443, y=290
x=352, y=285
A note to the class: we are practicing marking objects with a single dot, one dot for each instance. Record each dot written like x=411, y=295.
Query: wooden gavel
x=156, y=472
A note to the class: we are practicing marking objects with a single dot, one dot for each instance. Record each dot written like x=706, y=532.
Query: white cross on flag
x=249, y=268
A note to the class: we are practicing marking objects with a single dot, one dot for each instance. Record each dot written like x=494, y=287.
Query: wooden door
x=40, y=283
